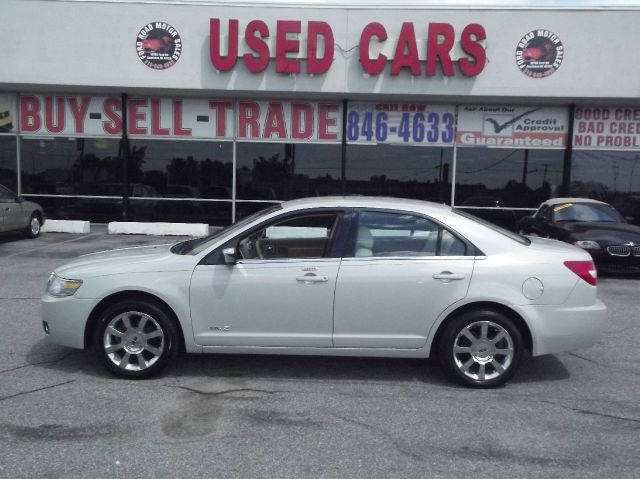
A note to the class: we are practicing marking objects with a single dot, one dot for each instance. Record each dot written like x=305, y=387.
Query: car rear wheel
x=136, y=339
x=33, y=228
x=481, y=348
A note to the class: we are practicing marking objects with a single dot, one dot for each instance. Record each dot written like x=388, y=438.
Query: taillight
x=585, y=269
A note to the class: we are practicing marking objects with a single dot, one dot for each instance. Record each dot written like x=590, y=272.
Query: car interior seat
x=364, y=242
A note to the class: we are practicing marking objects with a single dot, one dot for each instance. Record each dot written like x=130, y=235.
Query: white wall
x=69, y=45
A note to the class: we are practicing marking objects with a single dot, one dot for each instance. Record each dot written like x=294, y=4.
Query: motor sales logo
x=539, y=53
x=159, y=45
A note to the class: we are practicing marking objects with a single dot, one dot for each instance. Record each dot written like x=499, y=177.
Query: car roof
x=557, y=201
x=366, y=202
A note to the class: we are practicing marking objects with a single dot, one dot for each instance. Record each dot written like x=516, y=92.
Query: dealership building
x=206, y=111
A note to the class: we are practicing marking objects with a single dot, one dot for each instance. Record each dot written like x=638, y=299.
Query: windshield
x=195, y=246
x=509, y=234
x=586, y=212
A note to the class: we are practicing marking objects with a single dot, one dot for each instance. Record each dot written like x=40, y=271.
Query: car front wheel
x=136, y=339
x=481, y=348
x=33, y=228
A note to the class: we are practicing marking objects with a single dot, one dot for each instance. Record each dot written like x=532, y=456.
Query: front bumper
x=608, y=263
x=66, y=319
x=560, y=328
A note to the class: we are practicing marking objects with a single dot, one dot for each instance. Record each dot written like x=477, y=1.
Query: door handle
x=448, y=276
x=312, y=278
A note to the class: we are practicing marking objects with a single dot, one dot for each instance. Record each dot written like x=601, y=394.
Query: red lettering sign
x=406, y=55
x=286, y=45
x=439, y=44
x=54, y=123
x=136, y=116
x=224, y=63
x=372, y=67
x=316, y=30
x=79, y=112
x=29, y=114
x=261, y=62
x=112, y=107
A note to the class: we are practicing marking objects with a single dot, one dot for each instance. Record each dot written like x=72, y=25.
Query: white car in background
x=349, y=276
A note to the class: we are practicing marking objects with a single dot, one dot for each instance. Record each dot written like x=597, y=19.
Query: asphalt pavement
x=63, y=416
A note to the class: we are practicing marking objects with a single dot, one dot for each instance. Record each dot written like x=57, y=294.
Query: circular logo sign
x=539, y=53
x=159, y=45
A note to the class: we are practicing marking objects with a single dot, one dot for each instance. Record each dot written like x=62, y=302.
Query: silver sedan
x=349, y=276
x=17, y=214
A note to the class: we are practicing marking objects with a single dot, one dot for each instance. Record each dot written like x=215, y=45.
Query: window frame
x=336, y=249
x=350, y=248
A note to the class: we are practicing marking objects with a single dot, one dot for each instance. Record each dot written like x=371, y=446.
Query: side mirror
x=229, y=255
x=20, y=199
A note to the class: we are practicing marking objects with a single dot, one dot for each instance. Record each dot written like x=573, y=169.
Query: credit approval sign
x=512, y=126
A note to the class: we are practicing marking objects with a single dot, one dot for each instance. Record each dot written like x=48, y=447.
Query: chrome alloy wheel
x=133, y=341
x=34, y=226
x=483, y=350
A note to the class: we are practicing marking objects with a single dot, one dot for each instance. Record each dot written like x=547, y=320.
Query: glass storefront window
x=401, y=171
x=169, y=179
x=70, y=166
x=284, y=171
x=181, y=169
x=8, y=162
x=610, y=176
x=517, y=178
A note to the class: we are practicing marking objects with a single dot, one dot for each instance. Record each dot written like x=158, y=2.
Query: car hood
x=605, y=232
x=127, y=260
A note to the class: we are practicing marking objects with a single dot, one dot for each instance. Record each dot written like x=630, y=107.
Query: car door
x=280, y=290
x=404, y=271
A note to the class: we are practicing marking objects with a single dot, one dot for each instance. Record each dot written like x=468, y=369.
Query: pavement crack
x=28, y=365
x=592, y=413
x=603, y=365
x=22, y=393
x=593, y=361
x=14, y=299
x=399, y=447
x=222, y=393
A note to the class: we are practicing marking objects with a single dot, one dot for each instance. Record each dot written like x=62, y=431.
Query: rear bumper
x=556, y=329
x=66, y=319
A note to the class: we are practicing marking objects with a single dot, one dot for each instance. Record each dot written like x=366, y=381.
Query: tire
x=33, y=228
x=136, y=339
x=469, y=352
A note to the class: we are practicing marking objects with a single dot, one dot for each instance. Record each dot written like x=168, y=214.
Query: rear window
x=523, y=240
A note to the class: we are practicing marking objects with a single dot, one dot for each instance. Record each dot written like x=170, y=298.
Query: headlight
x=587, y=244
x=60, y=287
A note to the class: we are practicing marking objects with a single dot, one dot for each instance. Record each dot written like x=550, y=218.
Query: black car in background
x=593, y=226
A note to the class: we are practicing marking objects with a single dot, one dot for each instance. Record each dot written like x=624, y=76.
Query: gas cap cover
x=532, y=288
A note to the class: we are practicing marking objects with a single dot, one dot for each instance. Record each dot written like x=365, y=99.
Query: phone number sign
x=400, y=124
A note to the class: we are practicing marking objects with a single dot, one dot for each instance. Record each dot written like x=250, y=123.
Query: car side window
x=545, y=213
x=5, y=195
x=307, y=236
x=382, y=234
